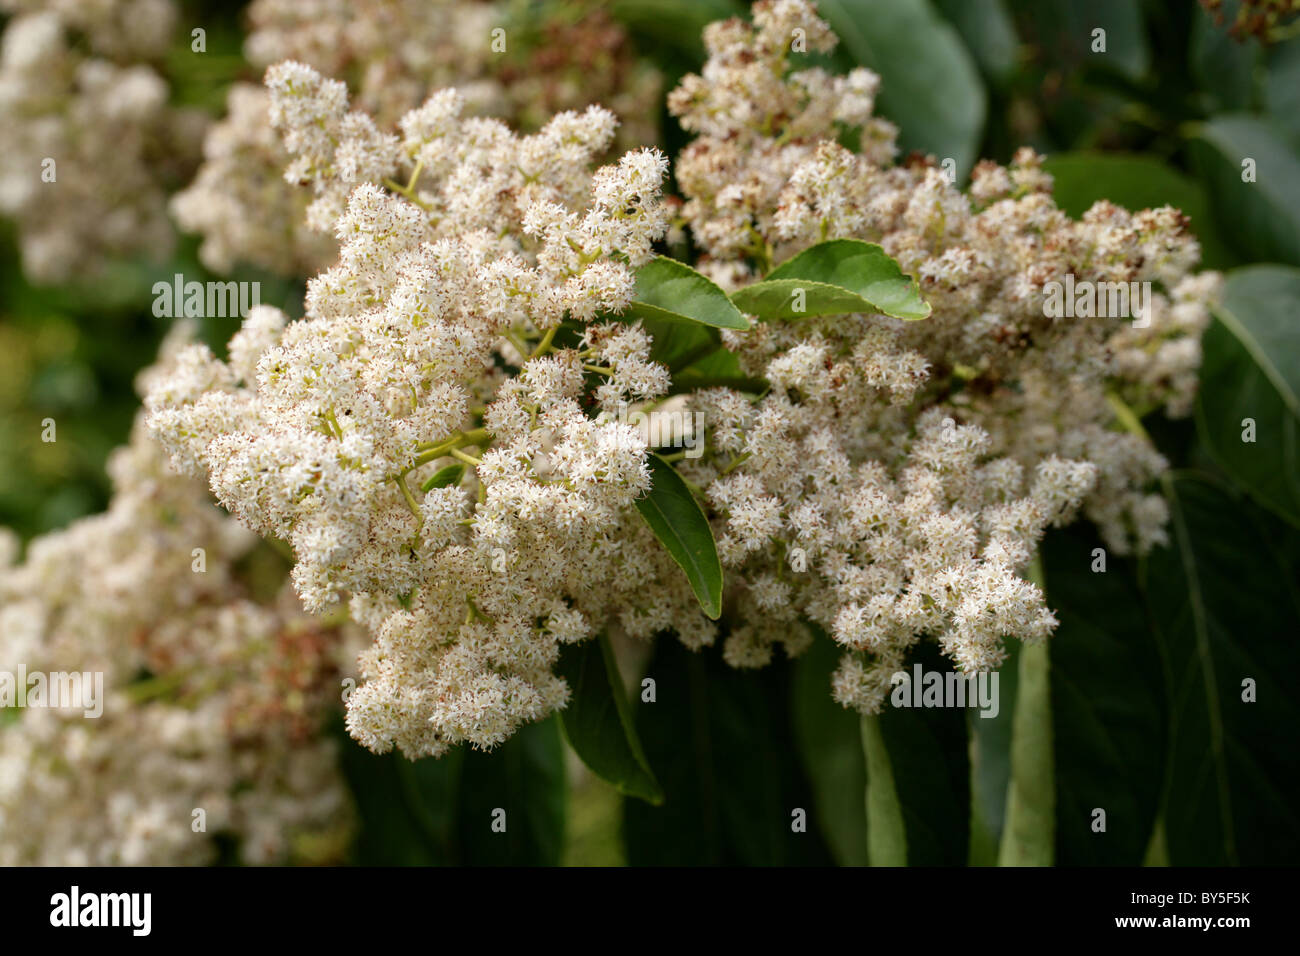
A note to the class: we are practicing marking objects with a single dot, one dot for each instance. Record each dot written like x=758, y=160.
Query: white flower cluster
x=91, y=142
x=896, y=478
x=764, y=181
x=212, y=700
x=391, y=53
x=436, y=334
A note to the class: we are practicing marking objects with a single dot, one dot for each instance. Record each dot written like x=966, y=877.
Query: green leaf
x=1108, y=708
x=721, y=742
x=524, y=777
x=1224, y=67
x=836, y=277
x=1251, y=369
x=598, y=720
x=406, y=809
x=930, y=85
x=989, y=34
x=718, y=369
x=675, y=517
x=910, y=763
x=443, y=477
x=928, y=752
x=670, y=291
x=1223, y=600
x=1261, y=218
x=1136, y=182
x=1282, y=88
x=990, y=765
x=830, y=745
x=886, y=832
x=1028, y=835
x=1063, y=31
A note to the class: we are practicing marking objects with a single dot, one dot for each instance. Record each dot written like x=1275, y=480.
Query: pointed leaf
x=443, y=477
x=675, y=517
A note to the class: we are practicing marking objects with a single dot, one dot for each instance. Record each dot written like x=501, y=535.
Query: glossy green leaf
x=678, y=522
x=671, y=291
x=1259, y=217
x=1108, y=708
x=1251, y=370
x=834, y=278
x=930, y=85
x=444, y=477
x=597, y=721
x=1225, y=604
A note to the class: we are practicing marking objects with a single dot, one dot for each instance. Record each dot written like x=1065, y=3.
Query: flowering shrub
x=561, y=407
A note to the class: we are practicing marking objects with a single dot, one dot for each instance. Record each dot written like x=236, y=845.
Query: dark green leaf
x=524, y=777
x=1251, y=370
x=929, y=764
x=1261, y=218
x=406, y=809
x=675, y=517
x=1064, y=29
x=987, y=29
x=1224, y=603
x=1223, y=66
x=598, y=721
x=1282, y=88
x=929, y=83
x=990, y=765
x=1108, y=708
x=830, y=745
x=721, y=742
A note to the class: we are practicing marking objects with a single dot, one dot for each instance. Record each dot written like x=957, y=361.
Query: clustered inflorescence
x=213, y=696
x=443, y=440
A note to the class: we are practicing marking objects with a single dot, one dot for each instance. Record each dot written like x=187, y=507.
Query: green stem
x=886, y=833
x=1029, y=833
